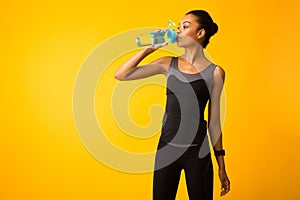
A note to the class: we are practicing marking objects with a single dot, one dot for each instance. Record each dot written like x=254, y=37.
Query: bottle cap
x=171, y=34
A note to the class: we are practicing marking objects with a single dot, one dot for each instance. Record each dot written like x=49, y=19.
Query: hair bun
x=214, y=28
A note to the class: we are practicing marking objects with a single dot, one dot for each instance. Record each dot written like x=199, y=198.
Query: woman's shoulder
x=219, y=74
x=164, y=62
x=219, y=70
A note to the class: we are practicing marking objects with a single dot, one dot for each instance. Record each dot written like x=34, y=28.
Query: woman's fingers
x=161, y=45
x=225, y=187
x=157, y=46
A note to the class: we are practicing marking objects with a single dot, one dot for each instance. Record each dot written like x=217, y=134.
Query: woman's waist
x=186, y=121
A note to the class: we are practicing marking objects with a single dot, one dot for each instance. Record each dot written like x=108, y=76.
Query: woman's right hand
x=131, y=71
x=156, y=46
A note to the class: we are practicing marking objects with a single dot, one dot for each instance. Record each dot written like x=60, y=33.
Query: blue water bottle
x=158, y=37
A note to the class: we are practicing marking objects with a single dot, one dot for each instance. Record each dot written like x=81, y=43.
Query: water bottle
x=158, y=37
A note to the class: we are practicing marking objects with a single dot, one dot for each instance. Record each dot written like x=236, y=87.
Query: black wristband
x=219, y=152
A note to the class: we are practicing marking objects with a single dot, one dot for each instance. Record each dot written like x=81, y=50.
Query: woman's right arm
x=131, y=71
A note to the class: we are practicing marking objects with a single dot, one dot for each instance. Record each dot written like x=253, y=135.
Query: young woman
x=190, y=78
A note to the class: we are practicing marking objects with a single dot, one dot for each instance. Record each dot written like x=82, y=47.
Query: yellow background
x=43, y=45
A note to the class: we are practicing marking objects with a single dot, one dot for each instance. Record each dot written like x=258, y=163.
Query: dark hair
x=206, y=22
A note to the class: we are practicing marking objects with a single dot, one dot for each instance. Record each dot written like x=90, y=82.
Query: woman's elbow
x=118, y=76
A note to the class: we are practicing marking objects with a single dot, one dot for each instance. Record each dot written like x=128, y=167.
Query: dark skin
x=192, y=61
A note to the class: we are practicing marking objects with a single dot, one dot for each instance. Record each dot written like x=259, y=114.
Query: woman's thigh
x=165, y=182
x=166, y=178
x=199, y=175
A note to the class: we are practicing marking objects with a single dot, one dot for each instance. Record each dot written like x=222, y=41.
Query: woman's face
x=188, y=33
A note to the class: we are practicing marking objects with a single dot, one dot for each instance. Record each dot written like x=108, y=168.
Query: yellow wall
x=43, y=46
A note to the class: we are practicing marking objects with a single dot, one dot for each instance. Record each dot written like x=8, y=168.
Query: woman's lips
x=179, y=37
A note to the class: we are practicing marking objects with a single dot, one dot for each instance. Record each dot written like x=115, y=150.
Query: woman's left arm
x=214, y=125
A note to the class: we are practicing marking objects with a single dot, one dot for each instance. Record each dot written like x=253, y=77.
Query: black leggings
x=198, y=173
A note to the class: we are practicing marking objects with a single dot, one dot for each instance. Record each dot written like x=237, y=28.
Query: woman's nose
x=178, y=30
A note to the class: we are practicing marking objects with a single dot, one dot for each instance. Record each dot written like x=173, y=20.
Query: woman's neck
x=194, y=55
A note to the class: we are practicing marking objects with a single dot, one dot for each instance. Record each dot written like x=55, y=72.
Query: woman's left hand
x=225, y=183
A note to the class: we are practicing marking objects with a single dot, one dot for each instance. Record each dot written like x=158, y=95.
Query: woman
x=190, y=77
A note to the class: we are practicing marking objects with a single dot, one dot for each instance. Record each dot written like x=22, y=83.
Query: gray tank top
x=187, y=95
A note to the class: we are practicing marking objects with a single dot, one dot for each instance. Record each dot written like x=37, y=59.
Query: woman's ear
x=201, y=33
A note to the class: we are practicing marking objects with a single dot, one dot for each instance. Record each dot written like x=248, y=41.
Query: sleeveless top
x=187, y=95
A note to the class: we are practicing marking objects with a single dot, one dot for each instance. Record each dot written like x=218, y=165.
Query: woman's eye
x=184, y=27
